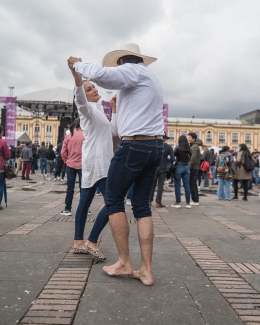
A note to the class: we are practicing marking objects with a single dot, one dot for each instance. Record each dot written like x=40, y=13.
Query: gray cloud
x=208, y=51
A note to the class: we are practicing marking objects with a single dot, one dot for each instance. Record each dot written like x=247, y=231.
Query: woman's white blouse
x=97, y=148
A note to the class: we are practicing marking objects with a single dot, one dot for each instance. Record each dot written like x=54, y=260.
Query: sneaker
x=204, y=188
x=62, y=180
x=176, y=206
x=54, y=179
x=198, y=188
x=66, y=213
x=89, y=212
x=244, y=199
x=128, y=202
x=234, y=198
x=194, y=203
x=188, y=206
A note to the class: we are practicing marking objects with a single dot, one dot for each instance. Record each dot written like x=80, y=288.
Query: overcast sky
x=208, y=50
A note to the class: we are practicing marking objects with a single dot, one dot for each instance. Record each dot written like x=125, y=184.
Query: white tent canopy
x=54, y=95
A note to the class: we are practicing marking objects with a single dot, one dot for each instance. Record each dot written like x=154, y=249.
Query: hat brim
x=110, y=60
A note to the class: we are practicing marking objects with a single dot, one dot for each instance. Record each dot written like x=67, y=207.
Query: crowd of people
x=142, y=160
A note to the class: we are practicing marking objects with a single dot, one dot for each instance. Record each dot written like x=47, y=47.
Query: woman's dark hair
x=193, y=135
x=50, y=147
x=243, y=147
x=74, y=125
x=183, y=144
x=224, y=149
x=130, y=59
x=33, y=146
x=1, y=128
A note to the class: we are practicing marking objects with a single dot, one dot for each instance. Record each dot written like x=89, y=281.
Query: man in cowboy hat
x=140, y=126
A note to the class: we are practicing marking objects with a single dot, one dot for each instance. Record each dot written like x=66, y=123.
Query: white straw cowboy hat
x=110, y=60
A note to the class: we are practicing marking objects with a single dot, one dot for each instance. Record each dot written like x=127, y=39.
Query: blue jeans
x=71, y=180
x=213, y=171
x=2, y=184
x=255, y=175
x=224, y=188
x=11, y=162
x=129, y=193
x=86, y=197
x=182, y=172
x=43, y=165
x=134, y=162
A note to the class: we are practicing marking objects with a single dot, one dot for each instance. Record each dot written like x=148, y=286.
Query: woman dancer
x=97, y=151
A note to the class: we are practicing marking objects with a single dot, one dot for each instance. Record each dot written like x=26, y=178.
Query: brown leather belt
x=143, y=137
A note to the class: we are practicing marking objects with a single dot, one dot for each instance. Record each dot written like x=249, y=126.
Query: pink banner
x=107, y=109
x=165, y=118
x=10, y=123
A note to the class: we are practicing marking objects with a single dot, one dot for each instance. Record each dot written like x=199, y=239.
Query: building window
x=234, y=138
x=209, y=136
x=184, y=133
x=37, y=129
x=25, y=127
x=47, y=142
x=222, y=137
x=248, y=138
x=48, y=130
x=235, y=149
x=171, y=135
x=197, y=134
x=37, y=141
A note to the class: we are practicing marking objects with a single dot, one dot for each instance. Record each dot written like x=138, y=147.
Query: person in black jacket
x=168, y=158
x=34, y=158
x=182, y=171
x=50, y=155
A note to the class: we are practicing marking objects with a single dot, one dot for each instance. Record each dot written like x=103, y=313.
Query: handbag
x=9, y=172
x=209, y=174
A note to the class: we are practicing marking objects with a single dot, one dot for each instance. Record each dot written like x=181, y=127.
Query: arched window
x=37, y=129
x=209, y=136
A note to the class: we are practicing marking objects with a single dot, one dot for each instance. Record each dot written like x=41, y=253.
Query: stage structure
x=54, y=102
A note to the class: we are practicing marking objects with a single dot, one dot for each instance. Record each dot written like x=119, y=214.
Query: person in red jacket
x=4, y=155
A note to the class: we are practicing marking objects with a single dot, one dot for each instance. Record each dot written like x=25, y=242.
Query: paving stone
x=250, y=318
x=46, y=320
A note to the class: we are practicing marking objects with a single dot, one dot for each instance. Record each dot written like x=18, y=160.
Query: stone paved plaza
x=206, y=263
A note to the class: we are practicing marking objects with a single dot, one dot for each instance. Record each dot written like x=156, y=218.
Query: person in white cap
x=140, y=127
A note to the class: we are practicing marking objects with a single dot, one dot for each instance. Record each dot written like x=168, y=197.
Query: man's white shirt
x=139, y=98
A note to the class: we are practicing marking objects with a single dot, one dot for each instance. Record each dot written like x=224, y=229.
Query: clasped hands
x=71, y=60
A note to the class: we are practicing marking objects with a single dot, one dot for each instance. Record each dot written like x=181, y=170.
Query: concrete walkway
x=206, y=263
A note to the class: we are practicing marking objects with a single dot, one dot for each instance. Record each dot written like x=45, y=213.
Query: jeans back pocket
x=137, y=159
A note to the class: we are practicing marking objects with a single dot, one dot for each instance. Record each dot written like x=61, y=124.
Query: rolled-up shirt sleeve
x=121, y=77
x=81, y=102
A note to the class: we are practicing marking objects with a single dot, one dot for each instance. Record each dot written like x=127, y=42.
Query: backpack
x=204, y=166
x=223, y=164
x=248, y=163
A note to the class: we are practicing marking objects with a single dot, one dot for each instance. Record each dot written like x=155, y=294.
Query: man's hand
x=112, y=102
x=71, y=60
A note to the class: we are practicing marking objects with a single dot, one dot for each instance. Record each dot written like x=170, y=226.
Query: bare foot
x=145, y=277
x=119, y=269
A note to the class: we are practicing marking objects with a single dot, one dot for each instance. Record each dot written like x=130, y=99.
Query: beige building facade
x=216, y=132
x=39, y=129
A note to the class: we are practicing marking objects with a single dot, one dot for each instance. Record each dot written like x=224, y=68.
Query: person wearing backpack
x=245, y=164
x=225, y=167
